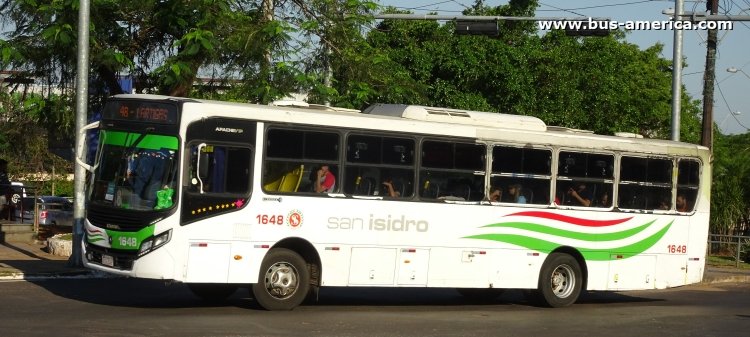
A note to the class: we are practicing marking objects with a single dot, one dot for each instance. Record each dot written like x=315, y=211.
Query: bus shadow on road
x=141, y=293
x=451, y=297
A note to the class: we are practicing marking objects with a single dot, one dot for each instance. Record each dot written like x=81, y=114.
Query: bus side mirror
x=82, y=145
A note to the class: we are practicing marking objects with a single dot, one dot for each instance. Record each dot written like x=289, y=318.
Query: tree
x=730, y=193
x=23, y=135
x=603, y=84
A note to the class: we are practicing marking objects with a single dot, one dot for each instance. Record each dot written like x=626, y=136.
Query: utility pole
x=268, y=17
x=677, y=73
x=707, y=134
x=82, y=101
x=267, y=6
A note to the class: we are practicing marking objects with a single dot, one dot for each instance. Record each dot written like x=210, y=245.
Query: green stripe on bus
x=130, y=240
x=151, y=142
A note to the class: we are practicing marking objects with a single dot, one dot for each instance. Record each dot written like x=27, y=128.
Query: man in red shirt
x=325, y=181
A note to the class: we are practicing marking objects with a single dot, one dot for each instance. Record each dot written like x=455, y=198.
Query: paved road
x=131, y=307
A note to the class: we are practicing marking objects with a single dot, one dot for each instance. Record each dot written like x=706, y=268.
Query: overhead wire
x=741, y=10
x=721, y=93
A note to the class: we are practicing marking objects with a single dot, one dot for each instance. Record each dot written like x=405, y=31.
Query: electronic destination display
x=141, y=111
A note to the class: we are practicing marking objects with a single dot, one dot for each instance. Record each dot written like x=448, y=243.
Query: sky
x=731, y=91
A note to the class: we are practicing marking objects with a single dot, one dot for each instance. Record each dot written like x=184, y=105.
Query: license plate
x=108, y=260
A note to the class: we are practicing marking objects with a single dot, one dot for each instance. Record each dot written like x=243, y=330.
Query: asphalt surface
x=22, y=260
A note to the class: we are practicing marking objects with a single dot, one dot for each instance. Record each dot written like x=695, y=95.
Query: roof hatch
x=487, y=119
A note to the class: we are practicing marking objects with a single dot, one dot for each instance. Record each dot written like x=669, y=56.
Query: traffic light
x=488, y=28
x=588, y=28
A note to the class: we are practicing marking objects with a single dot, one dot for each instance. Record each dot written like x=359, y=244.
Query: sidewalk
x=20, y=260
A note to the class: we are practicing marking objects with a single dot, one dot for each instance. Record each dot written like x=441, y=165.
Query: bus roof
x=415, y=119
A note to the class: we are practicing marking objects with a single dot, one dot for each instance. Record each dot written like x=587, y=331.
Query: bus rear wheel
x=284, y=280
x=560, y=280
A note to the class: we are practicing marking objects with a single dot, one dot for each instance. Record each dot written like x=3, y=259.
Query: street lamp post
x=734, y=70
x=735, y=113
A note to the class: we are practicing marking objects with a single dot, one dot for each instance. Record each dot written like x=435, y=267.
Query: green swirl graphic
x=589, y=254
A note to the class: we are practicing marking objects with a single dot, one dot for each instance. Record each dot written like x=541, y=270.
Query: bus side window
x=220, y=169
x=452, y=170
x=527, y=170
x=645, y=183
x=583, y=178
x=293, y=158
x=378, y=165
x=688, y=179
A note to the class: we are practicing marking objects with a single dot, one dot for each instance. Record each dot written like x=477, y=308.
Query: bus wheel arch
x=562, y=278
x=581, y=262
x=308, y=252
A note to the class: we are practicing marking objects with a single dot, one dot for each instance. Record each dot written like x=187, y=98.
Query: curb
x=729, y=276
x=25, y=277
x=73, y=274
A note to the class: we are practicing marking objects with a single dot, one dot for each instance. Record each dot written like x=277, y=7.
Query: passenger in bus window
x=496, y=194
x=579, y=196
x=681, y=204
x=325, y=180
x=515, y=194
x=603, y=200
x=664, y=204
x=389, y=189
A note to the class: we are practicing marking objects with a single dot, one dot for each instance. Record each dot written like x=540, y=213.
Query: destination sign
x=140, y=111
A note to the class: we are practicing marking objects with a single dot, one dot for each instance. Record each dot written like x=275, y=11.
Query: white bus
x=223, y=195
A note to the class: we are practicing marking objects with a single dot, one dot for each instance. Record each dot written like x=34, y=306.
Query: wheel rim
x=563, y=281
x=281, y=280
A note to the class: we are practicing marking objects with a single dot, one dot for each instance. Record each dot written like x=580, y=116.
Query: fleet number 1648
x=265, y=219
x=677, y=249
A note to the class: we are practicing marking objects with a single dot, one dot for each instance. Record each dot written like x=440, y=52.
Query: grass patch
x=726, y=261
x=67, y=237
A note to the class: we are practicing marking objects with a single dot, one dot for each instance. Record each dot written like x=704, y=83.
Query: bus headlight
x=154, y=242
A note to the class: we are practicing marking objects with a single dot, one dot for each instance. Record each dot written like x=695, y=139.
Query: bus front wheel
x=560, y=280
x=283, y=282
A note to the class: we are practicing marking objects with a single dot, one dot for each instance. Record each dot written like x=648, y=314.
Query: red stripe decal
x=570, y=219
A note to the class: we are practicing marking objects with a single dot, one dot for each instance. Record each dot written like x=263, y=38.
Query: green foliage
x=56, y=186
x=23, y=133
x=601, y=84
x=730, y=193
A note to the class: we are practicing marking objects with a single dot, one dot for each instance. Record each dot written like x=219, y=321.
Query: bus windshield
x=135, y=171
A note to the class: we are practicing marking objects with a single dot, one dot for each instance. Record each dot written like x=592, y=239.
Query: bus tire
x=283, y=282
x=212, y=292
x=560, y=280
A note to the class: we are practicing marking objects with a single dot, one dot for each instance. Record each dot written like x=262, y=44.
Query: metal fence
x=736, y=247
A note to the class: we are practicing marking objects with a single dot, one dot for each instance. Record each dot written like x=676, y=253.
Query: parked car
x=53, y=211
